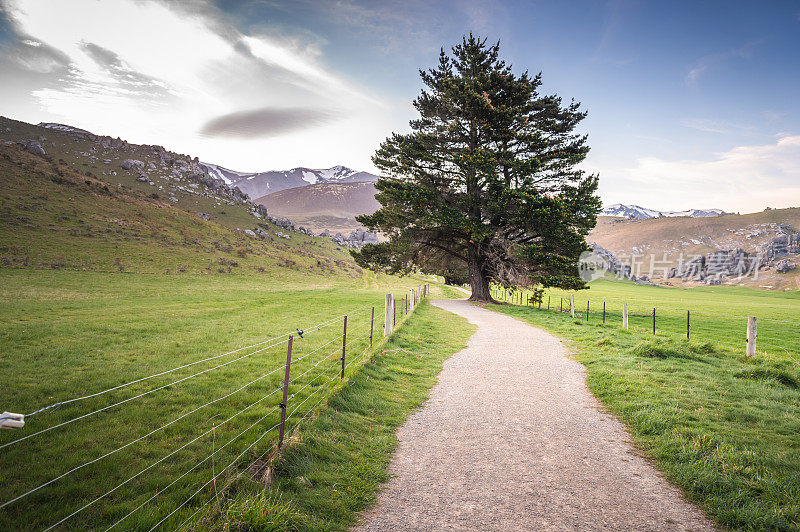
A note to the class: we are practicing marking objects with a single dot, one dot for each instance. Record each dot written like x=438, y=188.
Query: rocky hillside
x=72, y=199
x=258, y=184
x=758, y=250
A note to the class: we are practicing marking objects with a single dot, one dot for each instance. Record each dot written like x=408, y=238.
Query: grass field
x=717, y=313
x=68, y=334
x=724, y=428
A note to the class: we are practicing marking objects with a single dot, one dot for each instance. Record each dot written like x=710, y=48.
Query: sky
x=690, y=104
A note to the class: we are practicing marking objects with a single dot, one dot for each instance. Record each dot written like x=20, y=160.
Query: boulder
x=206, y=216
x=783, y=266
x=35, y=148
x=248, y=232
x=127, y=164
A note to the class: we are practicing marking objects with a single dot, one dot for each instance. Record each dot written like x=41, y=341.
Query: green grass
x=64, y=334
x=717, y=313
x=723, y=428
x=337, y=462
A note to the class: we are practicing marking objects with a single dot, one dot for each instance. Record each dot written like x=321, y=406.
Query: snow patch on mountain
x=620, y=210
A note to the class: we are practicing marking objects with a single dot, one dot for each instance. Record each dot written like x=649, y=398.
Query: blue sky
x=691, y=104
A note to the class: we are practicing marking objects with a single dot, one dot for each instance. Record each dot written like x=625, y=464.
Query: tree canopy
x=485, y=187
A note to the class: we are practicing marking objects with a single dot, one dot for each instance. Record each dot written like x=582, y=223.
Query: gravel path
x=511, y=439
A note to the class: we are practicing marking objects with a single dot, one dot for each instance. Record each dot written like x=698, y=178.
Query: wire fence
x=776, y=339
x=156, y=450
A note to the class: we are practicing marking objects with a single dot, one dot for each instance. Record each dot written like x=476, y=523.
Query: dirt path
x=511, y=439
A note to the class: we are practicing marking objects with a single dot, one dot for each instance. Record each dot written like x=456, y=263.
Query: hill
x=258, y=184
x=75, y=200
x=655, y=245
x=324, y=206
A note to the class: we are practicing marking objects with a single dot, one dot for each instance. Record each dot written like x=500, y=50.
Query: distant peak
x=621, y=210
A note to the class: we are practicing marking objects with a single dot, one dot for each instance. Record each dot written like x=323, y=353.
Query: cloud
x=744, y=178
x=123, y=74
x=179, y=73
x=265, y=122
x=721, y=127
x=708, y=62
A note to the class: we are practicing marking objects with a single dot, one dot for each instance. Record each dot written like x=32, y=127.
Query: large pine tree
x=485, y=186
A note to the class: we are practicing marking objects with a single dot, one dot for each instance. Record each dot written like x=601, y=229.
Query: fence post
x=654, y=320
x=624, y=315
x=387, y=315
x=548, y=302
x=604, y=311
x=285, y=392
x=587, y=310
x=411, y=301
x=394, y=314
x=344, y=343
x=371, y=326
x=572, y=305
x=687, y=324
x=752, y=335
x=561, y=305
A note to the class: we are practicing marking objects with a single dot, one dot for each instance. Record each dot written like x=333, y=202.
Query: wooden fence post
x=624, y=315
x=285, y=392
x=411, y=301
x=587, y=310
x=548, y=302
x=604, y=311
x=387, y=315
x=687, y=324
x=572, y=305
x=654, y=320
x=371, y=326
x=394, y=314
x=752, y=335
x=344, y=343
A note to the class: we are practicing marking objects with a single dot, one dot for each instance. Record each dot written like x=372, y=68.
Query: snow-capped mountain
x=635, y=211
x=258, y=184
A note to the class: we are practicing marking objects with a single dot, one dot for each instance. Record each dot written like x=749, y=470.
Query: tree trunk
x=478, y=279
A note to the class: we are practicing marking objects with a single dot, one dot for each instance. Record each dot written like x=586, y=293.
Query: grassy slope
x=722, y=428
x=691, y=236
x=69, y=152
x=334, y=468
x=53, y=217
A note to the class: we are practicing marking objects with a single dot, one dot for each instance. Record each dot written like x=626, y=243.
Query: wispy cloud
x=710, y=61
x=719, y=126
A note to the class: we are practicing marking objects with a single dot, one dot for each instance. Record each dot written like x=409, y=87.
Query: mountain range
x=258, y=184
x=642, y=213
x=324, y=206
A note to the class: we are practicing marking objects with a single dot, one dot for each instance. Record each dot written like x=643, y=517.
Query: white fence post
x=412, y=301
x=752, y=335
x=387, y=315
x=624, y=315
x=572, y=305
